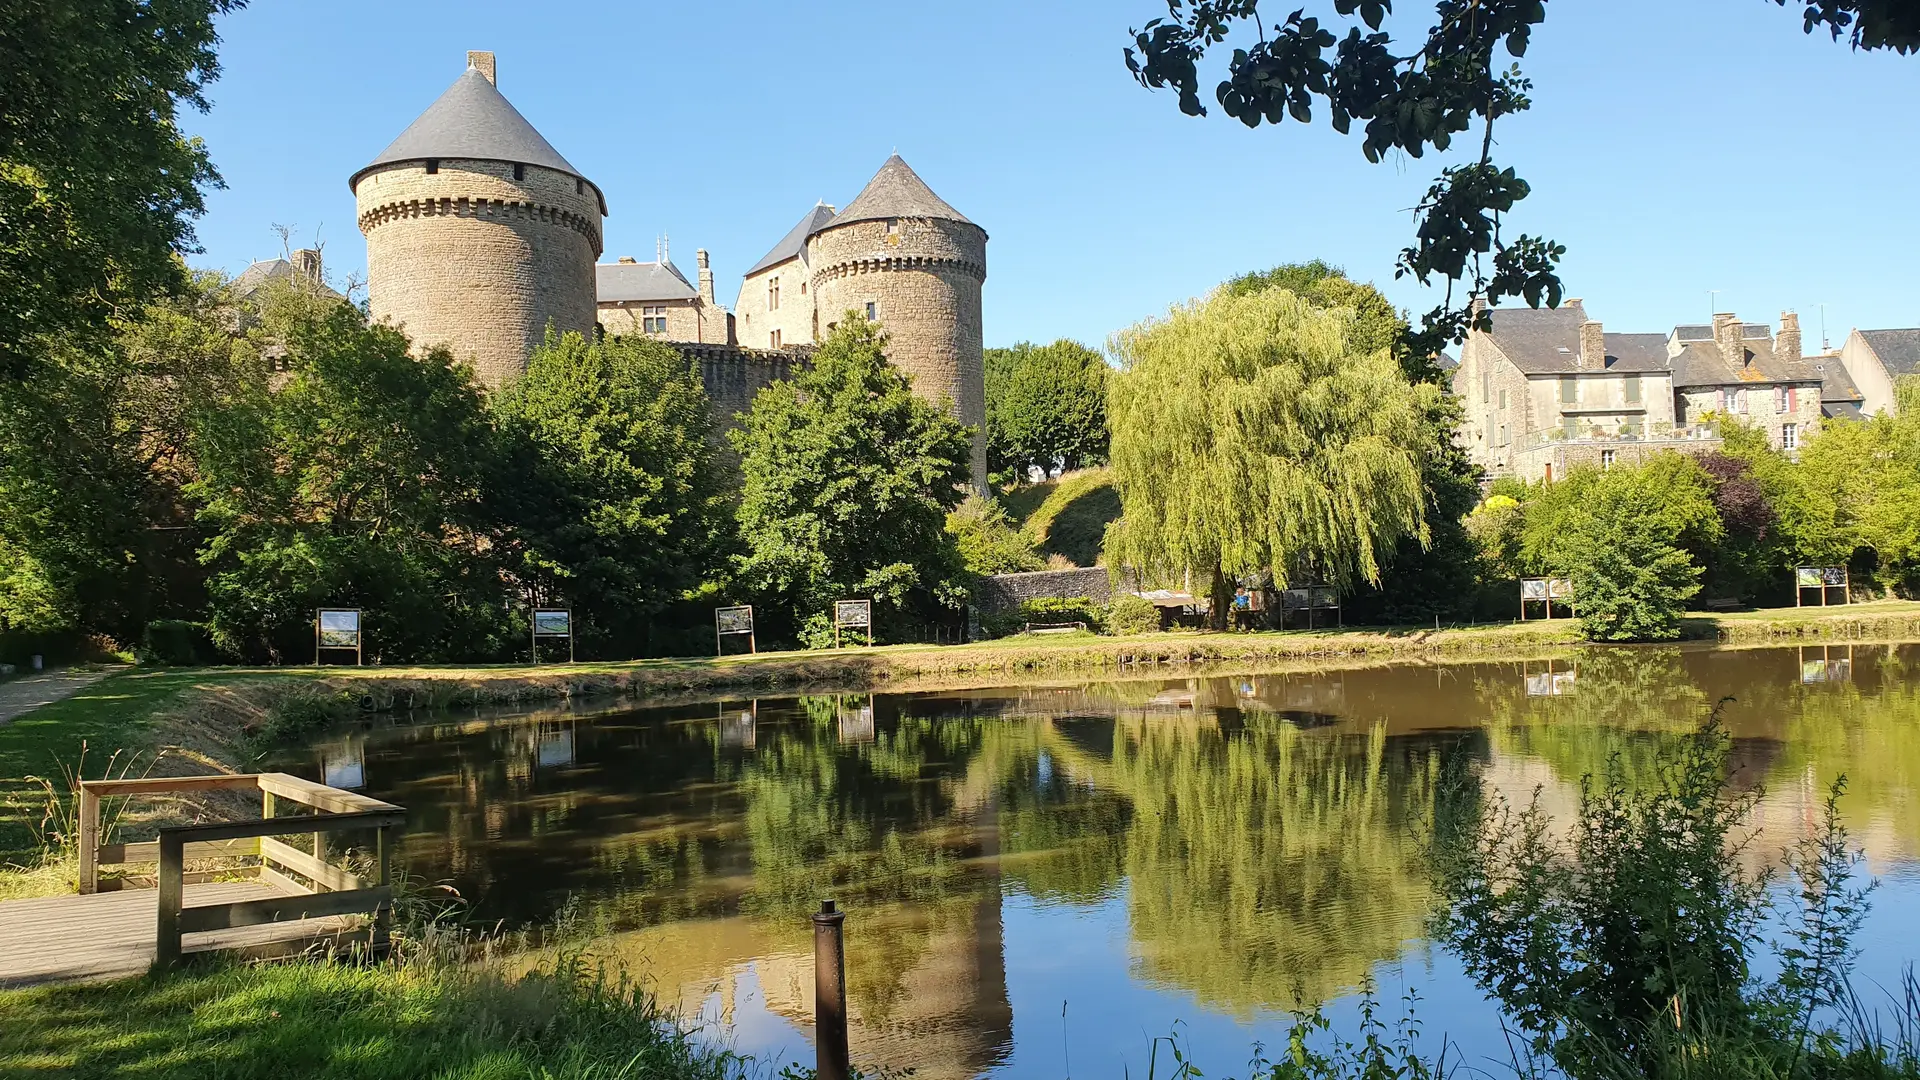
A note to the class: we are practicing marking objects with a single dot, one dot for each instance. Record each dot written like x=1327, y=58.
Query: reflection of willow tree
x=1273, y=866
x=1636, y=702
x=1061, y=838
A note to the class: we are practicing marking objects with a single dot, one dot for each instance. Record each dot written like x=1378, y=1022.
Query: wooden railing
x=327, y=889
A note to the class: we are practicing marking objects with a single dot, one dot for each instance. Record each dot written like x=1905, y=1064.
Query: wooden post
x=830, y=994
x=89, y=841
x=166, y=940
x=381, y=940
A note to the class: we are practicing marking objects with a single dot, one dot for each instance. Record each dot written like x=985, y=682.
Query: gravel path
x=21, y=696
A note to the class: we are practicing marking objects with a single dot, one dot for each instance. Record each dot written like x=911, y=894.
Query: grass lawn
x=322, y=1020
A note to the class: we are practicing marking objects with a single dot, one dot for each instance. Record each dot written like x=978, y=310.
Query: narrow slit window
x=433, y=166
x=873, y=311
x=519, y=171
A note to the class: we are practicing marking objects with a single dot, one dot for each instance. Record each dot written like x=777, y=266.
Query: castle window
x=433, y=166
x=579, y=186
x=519, y=171
x=653, y=319
x=803, y=286
x=773, y=295
x=893, y=226
x=873, y=311
x=773, y=340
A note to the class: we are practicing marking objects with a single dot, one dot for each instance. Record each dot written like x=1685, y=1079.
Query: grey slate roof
x=1641, y=353
x=794, y=244
x=1899, y=350
x=896, y=191
x=1701, y=364
x=643, y=282
x=1540, y=341
x=260, y=273
x=1841, y=410
x=1836, y=382
x=474, y=120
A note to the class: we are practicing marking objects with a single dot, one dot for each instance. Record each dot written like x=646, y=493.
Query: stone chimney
x=306, y=265
x=1593, y=346
x=1726, y=335
x=482, y=62
x=1786, y=344
x=706, y=275
x=628, y=260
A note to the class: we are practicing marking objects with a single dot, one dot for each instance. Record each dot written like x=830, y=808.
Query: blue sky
x=1676, y=148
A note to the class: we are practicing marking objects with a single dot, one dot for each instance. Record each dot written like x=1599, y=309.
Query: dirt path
x=21, y=696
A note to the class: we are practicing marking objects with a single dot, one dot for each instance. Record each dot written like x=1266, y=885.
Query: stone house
x=656, y=300
x=1840, y=396
x=774, y=310
x=1547, y=391
x=1875, y=358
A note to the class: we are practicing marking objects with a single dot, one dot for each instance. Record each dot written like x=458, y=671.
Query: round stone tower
x=479, y=234
x=902, y=257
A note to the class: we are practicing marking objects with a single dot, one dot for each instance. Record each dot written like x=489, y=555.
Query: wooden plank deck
x=111, y=934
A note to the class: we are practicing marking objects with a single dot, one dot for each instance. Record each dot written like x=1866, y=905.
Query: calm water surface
x=1043, y=878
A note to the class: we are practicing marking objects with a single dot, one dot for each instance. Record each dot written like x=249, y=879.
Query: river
x=1042, y=879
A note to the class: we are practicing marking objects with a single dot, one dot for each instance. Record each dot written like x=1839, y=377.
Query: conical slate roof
x=474, y=120
x=794, y=244
x=896, y=191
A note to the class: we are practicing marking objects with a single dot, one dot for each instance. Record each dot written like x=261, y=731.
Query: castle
x=480, y=236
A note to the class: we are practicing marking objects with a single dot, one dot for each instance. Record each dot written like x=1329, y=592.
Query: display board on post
x=852, y=615
x=1824, y=578
x=732, y=620
x=1545, y=591
x=552, y=623
x=338, y=629
x=1311, y=598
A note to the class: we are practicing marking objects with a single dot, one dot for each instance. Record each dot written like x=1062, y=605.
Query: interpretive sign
x=1310, y=599
x=1547, y=591
x=852, y=615
x=1823, y=578
x=338, y=629
x=732, y=620
x=552, y=623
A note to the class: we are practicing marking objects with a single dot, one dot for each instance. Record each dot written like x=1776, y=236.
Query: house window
x=1505, y=439
x=1486, y=383
x=433, y=166
x=1570, y=427
x=1606, y=459
x=1789, y=436
x=1503, y=397
x=653, y=318
x=1740, y=402
x=773, y=294
x=773, y=340
x=1631, y=388
x=873, y=311
x=1569, y=390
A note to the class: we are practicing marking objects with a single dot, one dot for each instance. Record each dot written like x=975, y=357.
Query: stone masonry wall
x=475, y=260
x=754, y=322
x=924, y=281
x=733, y=375
x=687, y=320
x=1004, y=592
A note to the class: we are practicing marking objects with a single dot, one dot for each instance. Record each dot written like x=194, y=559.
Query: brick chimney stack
x=1593, y=346
x=1786, y=344
x=482, y=62
x=306, y=266
x=1726, y=335
x=706, y=275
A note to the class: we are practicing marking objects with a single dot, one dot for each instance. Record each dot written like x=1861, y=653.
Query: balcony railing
x=1644, y=434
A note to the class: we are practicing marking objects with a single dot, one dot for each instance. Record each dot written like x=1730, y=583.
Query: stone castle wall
x=733, y=375
x=923, y=278
x=754, y=320
x=475, y=260
x=687, y=320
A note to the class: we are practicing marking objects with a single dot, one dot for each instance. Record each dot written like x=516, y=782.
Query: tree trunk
x=1222, y=597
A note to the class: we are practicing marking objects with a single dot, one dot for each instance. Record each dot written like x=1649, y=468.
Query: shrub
x=176, y=643
x=1045, y=609
x=1133, y=615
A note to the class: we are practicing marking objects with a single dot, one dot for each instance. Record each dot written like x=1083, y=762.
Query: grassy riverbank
x=365, y=1023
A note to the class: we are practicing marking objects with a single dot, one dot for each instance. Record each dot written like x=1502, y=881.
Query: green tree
x=848, y=480
x=1046, y=407
x=1412, y=96
x=620, y=507
x=1622, y=549
x=1249, y=435
x=358, y=481
x=1869, y=472
x=93, y=456
x=988, y=540
x=97, y=183
x=1672, y=488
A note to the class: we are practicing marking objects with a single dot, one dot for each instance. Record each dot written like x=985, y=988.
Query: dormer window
x=433, y=166
x=893, y=226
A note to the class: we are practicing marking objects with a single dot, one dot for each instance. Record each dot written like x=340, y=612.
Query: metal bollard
x=830, y=993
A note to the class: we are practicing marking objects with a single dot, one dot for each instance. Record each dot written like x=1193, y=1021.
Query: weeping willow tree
x=1251, y=433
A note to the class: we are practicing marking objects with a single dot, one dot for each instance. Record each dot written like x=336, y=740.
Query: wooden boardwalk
x=111, y=934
